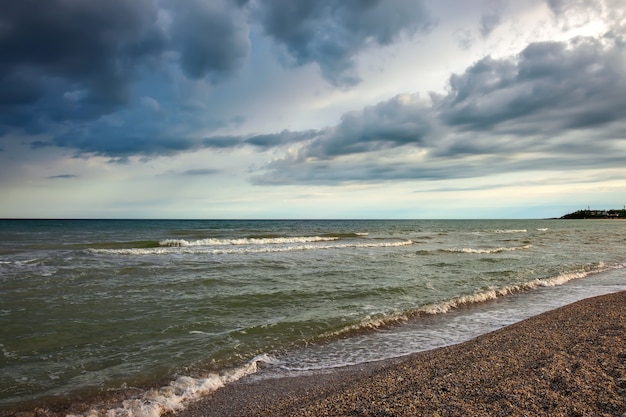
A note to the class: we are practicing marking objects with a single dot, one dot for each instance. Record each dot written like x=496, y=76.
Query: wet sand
x=566, y=362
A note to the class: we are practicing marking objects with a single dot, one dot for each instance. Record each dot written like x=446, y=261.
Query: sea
x=140, y=317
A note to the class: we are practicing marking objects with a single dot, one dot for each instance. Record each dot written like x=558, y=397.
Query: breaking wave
x=176, y=394
x=482, y=296
x=247, y=249
x=487, y=250
x=246, y=241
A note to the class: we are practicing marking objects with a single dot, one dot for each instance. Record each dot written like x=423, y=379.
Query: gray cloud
x=292, y=171
x=563, y=8
x=564, y=103
x=489, y=21
x=277, y=139
x=262, y=141
x=212, y=37
x=463, y=39
x=65, y=64
x=74, y=61
x=200, y=172
x=62, y=176
x=332, y=32
x=71, y=60
x=121, y=146
x=402, y=120
x=496, y=107
x=549, y=87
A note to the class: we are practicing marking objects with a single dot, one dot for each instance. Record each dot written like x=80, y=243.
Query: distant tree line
x=596, y=214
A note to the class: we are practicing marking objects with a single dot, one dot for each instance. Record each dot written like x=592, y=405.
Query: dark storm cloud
x=497, y=107
x=212, y=37
x=74, y=61
x=71, y=60
x=332, y=32
x=65, y=64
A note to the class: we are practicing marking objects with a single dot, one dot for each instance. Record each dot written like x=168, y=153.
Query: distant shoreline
x=596, y=214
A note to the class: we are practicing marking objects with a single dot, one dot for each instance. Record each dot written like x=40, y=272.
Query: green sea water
x=95, y=306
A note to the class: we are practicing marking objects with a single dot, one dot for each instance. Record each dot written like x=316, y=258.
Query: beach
x=567, y=362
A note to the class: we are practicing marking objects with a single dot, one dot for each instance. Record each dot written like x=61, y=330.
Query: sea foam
x=246, y=241
x=487, y=250
x=196, y=249
x=174, y=396
x=482, y=296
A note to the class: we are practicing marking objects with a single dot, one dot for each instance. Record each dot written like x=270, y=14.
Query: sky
x=214, y=109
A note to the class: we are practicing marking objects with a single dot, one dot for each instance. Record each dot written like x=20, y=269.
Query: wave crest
x=445, y=306
x=246, y=241
x=173, y=397
x=487, y=250
x=198, y=250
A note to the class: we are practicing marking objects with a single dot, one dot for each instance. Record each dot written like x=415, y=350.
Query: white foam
x=246, y=241
x=475, y=298
x=489, y=250
x=244, y=250
x=178, y=393
x=492, y=294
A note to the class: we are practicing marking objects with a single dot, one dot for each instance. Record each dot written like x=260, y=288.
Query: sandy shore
x=567, y=362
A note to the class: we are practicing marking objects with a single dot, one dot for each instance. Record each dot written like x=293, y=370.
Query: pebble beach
x=566, y=362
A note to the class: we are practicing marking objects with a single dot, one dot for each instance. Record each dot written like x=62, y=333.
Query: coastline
x=569, y=361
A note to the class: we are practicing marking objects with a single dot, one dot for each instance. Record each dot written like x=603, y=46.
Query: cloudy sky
x=311, y=109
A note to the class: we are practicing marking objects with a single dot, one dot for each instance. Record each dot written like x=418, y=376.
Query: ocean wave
x=493, y=293
x=346, y=234
x=481, y=296
x=176, y=394
x=29, y=263
x=487, y=250
x=246, y=241
x=510, y=231
x=198, y=250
